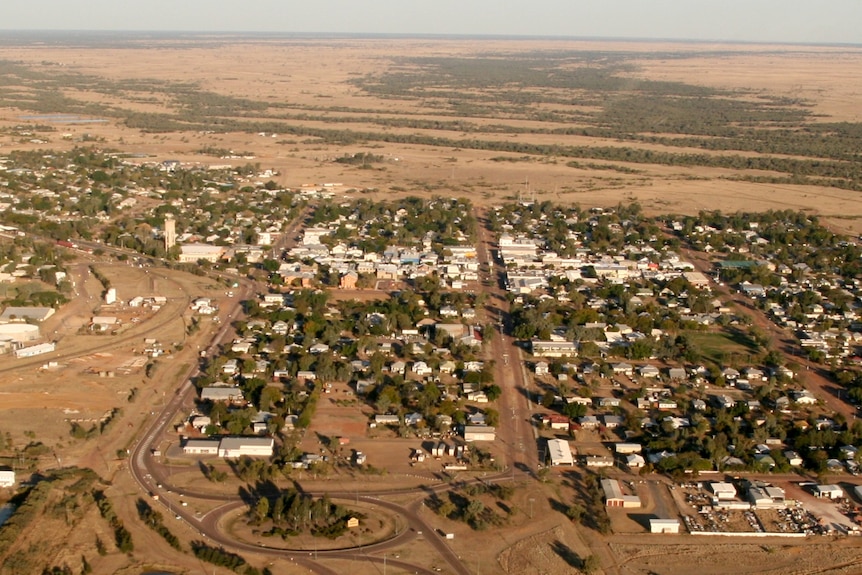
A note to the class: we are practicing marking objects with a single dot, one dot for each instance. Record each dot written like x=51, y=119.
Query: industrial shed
x=614, y=495
x=251, y=446
x=559, y=452
x=664, y=526
x=201, y=447
x=479, y=433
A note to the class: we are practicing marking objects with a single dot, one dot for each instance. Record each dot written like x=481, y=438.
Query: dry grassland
x=314, y=78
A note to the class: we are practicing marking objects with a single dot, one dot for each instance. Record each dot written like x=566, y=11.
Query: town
x=674, y=374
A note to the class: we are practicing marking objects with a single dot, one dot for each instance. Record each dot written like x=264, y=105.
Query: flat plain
x=676, y=127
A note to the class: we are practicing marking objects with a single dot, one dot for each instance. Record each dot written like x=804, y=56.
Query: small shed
x=829, y=491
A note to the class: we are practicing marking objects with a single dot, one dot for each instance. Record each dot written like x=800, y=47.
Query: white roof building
x=201, y=447
x=663, y=525
x=479, y=433
x=251, y=446
x=191, y=253
x=7, y=478
x=723, y=491
x=559, y=452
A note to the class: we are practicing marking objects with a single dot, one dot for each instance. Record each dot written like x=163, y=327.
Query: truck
x=67, y=243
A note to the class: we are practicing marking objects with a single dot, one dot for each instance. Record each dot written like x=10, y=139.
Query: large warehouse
x=251, y=446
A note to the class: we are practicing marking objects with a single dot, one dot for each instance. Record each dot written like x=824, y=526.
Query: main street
x=516, y=429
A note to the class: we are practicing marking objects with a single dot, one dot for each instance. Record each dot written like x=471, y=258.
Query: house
x=448, y=367
x=421, y=368
x=613, y=421
x=387, y=419
x=589, y=422
x=606, y=402
x=634, y=461
x=223, y=394
x=793, y=458
x=664, y=526
x=554, y=348
x=596, y=461
x=318, y=348
x=364, y=385
x=479, y=433
x=676, y=373
x=201, y=422
x=648, y=371
x=413, y=419
x=541, y=368
x=752, y=374
x=231, y=367
x=804, y=397
x=627, y=448
x=251, y=446
x=556, y=421
x=623, y=369
x=559, y=452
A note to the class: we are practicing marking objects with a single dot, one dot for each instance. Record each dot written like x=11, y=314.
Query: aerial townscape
x=286, y=305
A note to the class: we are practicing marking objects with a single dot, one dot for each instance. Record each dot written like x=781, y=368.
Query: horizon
x=133, y=35
x=765, y=21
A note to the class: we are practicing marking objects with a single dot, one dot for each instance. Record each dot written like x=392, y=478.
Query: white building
x=7, y=478
x=201, y=447
x=34, y=350
x=479, y=433
x=559, y=452
x=664, y=526
x=192, y=253
x=830, y=491
x=723, y=491
x=251, y=446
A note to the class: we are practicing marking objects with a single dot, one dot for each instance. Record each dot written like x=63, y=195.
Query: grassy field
x=723, y=347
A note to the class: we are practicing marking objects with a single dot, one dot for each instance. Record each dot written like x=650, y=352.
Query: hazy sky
x=831, y=21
